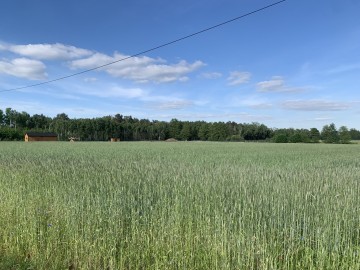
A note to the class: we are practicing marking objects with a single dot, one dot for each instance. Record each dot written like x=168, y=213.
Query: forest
x=14, y=124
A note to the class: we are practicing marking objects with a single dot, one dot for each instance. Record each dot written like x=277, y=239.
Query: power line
x=146, y=51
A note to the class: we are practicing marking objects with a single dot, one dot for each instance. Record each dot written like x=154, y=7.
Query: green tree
x=344, y=135
x=10, y=134
x=1, y=117
x=61, y=125
x=22, y=119
x=329, y=134
x=314, y=135
x=354, y=134
x=185, y=133
x=280, y=138
x=175, y=127
x=296, y=138
x=248, y=132
x=39, y=121
x=203, y=133
x=218, y=132
x=9, y=117
x=255, y=131
x=160, y=130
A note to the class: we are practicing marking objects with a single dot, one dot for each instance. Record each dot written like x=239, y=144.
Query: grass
x=179, y=206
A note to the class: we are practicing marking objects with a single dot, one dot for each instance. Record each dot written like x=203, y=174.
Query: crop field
x=185, y=205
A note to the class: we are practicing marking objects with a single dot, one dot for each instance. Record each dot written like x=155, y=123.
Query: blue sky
x=296, y=64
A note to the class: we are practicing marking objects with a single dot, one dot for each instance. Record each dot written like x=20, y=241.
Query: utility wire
x=146, y=51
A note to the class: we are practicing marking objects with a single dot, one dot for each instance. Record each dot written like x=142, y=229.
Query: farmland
x=185, y=205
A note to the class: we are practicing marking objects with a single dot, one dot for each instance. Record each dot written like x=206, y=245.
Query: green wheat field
x=184, y=205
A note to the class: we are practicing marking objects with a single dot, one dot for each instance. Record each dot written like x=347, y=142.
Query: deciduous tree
x=329, y=134
x=344, y=135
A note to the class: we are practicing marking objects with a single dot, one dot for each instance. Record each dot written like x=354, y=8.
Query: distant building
x=40, y=137
x=114, y=139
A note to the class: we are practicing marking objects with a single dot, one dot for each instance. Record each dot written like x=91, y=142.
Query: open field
x=179, y=206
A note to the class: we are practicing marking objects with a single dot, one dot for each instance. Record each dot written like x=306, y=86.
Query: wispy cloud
x=320, y=119
x=253, y=101
x=28, y=106
x=146, y=97
x=315, y=105
x=240, y=117
x=261, y=106
x=172, y=105
x=277, y=84
x=344, y=68
x=55, y=93
x=238, y=77
x=140, y=69
x=114, y=92
x=24, y=68
x=90, y=79
x=56, y=51
x=211, y=75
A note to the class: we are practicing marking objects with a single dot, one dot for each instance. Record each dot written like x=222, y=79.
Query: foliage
x=1, y=117
x=128, y=128
x=280, y=138
x=329, y=134
x=10, y=134
x=235, y=138
x=314, y=135
x=354, y=134
x=255, y=131
x=344, y=135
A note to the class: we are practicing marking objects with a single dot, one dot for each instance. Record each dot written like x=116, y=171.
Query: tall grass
x=179, y=206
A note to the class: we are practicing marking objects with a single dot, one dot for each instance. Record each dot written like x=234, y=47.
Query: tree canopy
x=14, y=124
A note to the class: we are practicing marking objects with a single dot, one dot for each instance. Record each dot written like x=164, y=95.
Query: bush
x=280, y=138
x=235, y=138
x=10, y=134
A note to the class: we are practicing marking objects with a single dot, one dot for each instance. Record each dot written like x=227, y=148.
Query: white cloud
x=95, y=60
x=91, y=79
x=323, y=119
x=116, y=91
x=315, y=105
x=238, y=77
x=173, y=105
x=47, y=51
x=260, y=105
x=24, y=68
x=211, y=75
x=254, y=102
x=51, y=92
x=274, y=84
x=240, y=117
x=277, y=84
x=140, y=69
x=31, y=107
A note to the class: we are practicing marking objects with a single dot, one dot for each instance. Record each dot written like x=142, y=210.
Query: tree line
x=14, y=125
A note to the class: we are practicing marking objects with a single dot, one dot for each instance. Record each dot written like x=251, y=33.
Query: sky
x=296, y=64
